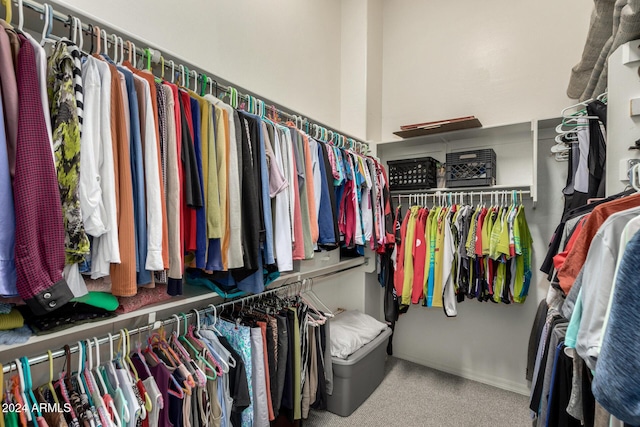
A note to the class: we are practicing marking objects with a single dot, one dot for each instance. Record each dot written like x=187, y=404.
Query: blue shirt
x=143, y=277
x=7, y=219
x=326, y=228
x=214, y=253
x=266, y=198
x=201, y=215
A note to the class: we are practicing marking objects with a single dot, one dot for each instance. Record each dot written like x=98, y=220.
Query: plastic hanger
x=103, y=35
x=20, y=15
x=121, y=42
x=195, y=80
x=148, y=404
x=173, y=70
x=80, y=368
x=182, y=80
x=115, y=49
x=197, y=341
x=8, y=11
x=48, y=25
x=18, y=363
x=96, y=34
x=78, y=23
x=189, y=334
x=49, y=385
x=132, y=53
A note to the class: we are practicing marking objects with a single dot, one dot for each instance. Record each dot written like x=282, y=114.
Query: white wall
x=488, y=342
x=500, y=60
x=286, y=50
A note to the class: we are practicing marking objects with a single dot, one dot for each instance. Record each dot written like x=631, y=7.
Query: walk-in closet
x=319, y=213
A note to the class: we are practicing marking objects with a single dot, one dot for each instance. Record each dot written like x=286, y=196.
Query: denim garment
x=7, y=219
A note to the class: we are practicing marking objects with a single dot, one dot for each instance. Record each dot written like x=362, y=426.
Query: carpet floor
x=414, y=395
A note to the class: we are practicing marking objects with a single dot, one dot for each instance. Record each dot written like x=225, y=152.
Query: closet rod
x=188, y=315
x=59, y=16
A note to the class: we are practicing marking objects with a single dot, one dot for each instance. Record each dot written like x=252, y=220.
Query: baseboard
x=470, y=375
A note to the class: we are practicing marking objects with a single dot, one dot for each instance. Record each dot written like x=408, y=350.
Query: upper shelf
x=500, y=131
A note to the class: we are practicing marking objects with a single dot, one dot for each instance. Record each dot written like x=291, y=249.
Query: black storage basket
x=475, y=168
x=412, y=174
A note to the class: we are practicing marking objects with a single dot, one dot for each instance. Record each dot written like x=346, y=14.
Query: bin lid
x=363, y=351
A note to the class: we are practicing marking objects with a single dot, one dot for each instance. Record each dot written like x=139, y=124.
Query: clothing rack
x=286, y=286
x=312, y=127
x=449, y=197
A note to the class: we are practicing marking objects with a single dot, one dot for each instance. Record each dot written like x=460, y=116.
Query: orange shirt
x=123, y=275
x=578, y=254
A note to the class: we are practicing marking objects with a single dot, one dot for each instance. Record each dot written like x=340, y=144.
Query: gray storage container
x=356, y=377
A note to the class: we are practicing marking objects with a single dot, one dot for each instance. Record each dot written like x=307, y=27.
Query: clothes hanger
x=48, y=25
x=195, y=80
x=132, y=53
x=80, y=34
x=121, y=42
x=49, y=385
x=148, y=404
x=23, y=395
x=115, y=49
x=103, y=35
x=96, y=34
x=182, y=81
x=190, y=334
x=26, y=368
x=105, y=391
x=161, y=68
x=20, y=15
x=203, y=84
x=211, y=87
x=79, y=373
x=173, y=70
x=195, y=373
x=8, y=10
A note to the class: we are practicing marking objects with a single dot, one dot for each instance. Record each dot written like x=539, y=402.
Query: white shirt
x=282, y=219
x=105, y=248
x=150, y=144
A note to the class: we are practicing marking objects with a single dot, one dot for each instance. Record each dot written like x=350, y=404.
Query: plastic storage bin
x=412, y=174
x=355, y=378
x=471, y=168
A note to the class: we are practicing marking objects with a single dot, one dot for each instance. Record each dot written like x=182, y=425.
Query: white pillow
x=350, y=330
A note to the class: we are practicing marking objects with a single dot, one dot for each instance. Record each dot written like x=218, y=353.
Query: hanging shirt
x=152, y=176
x=39, y=222
x=305, y=182
x=201, y=216
x=281, y=220
x=296, y=216
x=97, y=168
x=143, y=276
x=10, y=98
x=419, y=255
x=7, y=218
x=193, y=190
x=232, y=134
x=409, y=245
x=123, y=275
x=175, y=190
x=327, y=227
x=66, y=137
